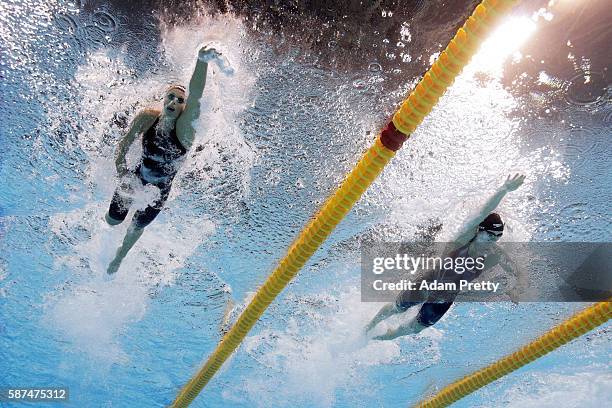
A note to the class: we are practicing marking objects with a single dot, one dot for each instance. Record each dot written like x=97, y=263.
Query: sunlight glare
x=501, y=44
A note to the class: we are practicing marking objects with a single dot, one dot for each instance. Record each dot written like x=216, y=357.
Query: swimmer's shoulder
x=146, y=117
x=148, y=113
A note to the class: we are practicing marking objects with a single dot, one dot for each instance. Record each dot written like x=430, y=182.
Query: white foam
x=316, y=362
x=552, y=390
x=225, y=98
x=92, y=309
x=92, y=314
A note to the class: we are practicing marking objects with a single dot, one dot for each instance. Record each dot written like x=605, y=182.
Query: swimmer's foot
x=412, y=327
x=133, y=233
x=369, y=326
x=114, y=266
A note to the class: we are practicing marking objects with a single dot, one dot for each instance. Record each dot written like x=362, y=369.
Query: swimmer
x=167, y=135
x=478, y=239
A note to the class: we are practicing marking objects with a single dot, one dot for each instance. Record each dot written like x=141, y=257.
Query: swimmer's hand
x=513, y=183
x=207, y=53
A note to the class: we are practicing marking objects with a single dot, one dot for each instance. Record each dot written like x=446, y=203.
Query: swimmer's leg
x=428, y=315
x=141, y=219
x=385, y=312
x=402, y=303
x=413, y=326
x=111, y=220
x=119, y=206
x=134, y=232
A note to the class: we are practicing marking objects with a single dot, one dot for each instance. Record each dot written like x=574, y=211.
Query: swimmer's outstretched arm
x=184, y=125
x=511, y=184
x=140, y=122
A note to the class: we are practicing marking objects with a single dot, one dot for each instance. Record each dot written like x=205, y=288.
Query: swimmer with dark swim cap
x=167, y=135
x=478, y=239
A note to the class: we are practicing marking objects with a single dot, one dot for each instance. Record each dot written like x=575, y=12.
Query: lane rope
x=570, y=329
x=411, y=113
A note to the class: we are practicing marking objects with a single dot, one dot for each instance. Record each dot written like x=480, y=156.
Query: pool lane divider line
x=411, y=113
x=572, y=328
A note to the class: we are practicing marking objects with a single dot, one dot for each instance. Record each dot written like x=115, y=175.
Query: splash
x=317, y=362
x=92, y=310
x=550, y=390
x=221, y=151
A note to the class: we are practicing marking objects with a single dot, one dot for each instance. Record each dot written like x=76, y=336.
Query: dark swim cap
x=493, y=222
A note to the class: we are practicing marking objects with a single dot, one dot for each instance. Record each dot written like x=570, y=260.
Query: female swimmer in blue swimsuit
x=167, y=135
x=478, y=238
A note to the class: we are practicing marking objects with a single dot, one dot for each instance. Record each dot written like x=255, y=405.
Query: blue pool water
x=273, y=141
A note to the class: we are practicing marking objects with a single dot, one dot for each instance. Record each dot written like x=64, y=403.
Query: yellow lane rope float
x=420, y=102
x=567, y=331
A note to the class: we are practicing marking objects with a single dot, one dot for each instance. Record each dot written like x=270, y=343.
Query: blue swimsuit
x=161, y=154
x=431, y=311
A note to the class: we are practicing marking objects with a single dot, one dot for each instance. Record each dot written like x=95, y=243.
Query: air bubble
x=359, y=84
x=66, y=23
x=104, y=21
x=586, y=89
x=375, y=67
